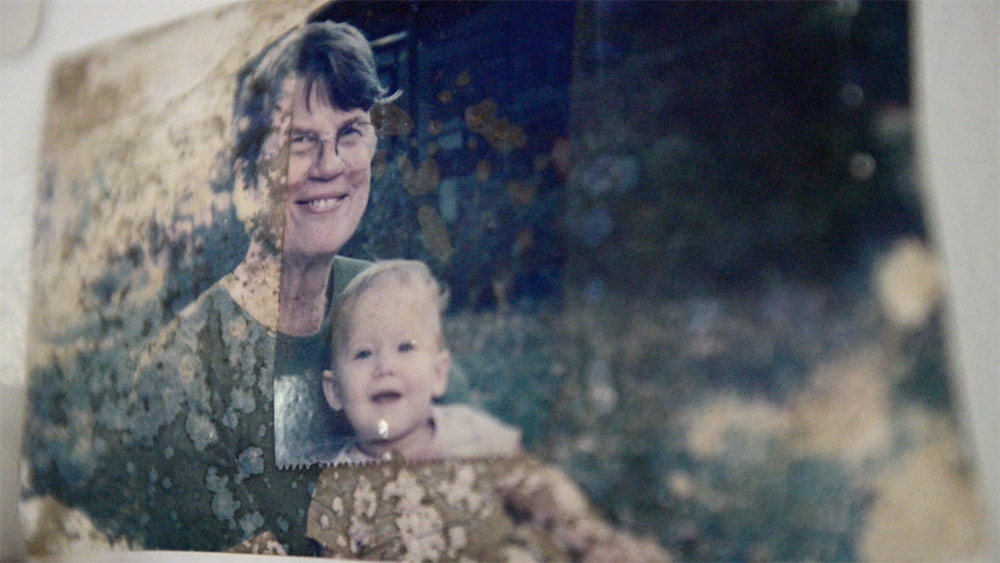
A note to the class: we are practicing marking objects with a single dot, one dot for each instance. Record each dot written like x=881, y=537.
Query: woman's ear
x=441, y=368
x=331, y=391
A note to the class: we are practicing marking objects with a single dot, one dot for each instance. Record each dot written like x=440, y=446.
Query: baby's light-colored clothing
x=460, y=431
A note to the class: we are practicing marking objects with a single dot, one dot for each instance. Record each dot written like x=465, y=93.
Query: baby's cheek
x=367, y=426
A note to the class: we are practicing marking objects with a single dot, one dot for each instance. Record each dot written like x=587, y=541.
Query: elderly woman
x=201, y=441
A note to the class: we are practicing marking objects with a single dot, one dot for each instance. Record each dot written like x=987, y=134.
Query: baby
x=389, y=363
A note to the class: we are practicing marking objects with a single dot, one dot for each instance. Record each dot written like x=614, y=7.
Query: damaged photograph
x=531, y=281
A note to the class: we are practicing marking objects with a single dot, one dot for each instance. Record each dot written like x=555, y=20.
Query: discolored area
x=492, y=509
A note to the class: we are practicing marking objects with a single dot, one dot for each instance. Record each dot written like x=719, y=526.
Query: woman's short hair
x=334, y=55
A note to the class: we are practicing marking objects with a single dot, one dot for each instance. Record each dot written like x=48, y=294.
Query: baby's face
x=392, y=364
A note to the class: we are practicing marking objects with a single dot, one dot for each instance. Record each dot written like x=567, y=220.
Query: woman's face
x=327, y=192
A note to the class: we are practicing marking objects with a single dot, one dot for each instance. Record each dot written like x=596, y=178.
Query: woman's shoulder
x=216, y=296
x=215, y=301
x=211, y=341
x=210, y=324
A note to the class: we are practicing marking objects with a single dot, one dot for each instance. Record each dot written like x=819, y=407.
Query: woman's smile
x=321, y=204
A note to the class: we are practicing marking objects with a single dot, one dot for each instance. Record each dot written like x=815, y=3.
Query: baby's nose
x=385, y=366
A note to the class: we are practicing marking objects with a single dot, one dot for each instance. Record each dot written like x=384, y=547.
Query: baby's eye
x=362, y=354
x=407, y=346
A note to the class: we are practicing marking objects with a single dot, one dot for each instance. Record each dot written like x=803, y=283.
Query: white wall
x=957, y=91
x=956, y=83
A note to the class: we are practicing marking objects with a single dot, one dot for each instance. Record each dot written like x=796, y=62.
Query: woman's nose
x=328, y=164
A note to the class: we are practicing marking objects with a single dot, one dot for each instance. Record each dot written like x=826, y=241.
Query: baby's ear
x=441, y=368
x=331, y=391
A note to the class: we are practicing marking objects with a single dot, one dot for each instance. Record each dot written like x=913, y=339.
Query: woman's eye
x=362, y=354
x=348, y=137
x=407, y=346
x=302, y=142
x=352, y=130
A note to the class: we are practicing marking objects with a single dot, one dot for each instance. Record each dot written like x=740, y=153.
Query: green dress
x=200, y=447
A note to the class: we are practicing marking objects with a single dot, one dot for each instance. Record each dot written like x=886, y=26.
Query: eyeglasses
x=348, y=143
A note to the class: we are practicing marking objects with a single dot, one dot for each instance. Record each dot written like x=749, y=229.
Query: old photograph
x=430, y=280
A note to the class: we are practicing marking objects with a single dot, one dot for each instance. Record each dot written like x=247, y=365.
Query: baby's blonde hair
x=403, y=272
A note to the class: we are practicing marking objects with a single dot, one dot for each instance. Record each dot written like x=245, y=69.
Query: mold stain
x=435, y=234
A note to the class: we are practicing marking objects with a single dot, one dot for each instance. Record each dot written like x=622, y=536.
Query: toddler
x=389, y=364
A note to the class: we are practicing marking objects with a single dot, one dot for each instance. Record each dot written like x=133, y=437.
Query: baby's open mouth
x=386, y=397
x=322, y=203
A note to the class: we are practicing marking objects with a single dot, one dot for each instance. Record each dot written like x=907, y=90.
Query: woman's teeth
x=322, y=204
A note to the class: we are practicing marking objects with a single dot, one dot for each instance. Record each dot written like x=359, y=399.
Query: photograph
x=617, y=281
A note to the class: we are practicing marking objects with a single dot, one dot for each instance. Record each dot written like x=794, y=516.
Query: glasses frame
x=318, y=143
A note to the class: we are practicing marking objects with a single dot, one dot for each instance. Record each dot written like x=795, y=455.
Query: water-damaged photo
x=493, y=281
